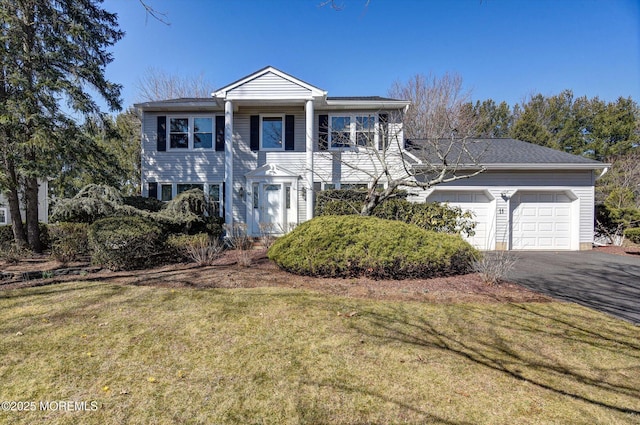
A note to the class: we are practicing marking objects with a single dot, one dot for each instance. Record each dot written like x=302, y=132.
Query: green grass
x=150, y=355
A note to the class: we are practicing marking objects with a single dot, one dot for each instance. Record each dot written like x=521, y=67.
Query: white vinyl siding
x=176, y=165
x=268, y=87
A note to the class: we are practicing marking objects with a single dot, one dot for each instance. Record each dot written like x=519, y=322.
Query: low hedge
x=428, y=215
x=7, y=239
x=143, y=203
x=633, y=234
x=69, y=241
x=350, y=246
x=126, y=243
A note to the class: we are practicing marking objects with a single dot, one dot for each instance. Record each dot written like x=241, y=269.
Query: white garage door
x=480, y=205
x=541, y=221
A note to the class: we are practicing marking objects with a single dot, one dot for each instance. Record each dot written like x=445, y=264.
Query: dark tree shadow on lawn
x=485, y=346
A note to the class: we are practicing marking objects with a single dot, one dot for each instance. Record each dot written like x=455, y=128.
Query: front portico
x=271, y=200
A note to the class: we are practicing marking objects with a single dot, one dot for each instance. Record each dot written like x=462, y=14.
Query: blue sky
x=503, y=49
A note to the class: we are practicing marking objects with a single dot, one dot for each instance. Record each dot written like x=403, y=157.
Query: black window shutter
x=254, y=132
x=289, y=132
x=153, y=190
x=219, y=132
x=323, y=132
x=162, y=134
x=383, y=131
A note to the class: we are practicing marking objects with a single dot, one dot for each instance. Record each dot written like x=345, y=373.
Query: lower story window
x=3, y=216
x=167, y=192
x=183, y=187
x=214, y=207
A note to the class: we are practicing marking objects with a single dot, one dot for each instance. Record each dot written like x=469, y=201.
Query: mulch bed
x=629, y=251
x=226, y=273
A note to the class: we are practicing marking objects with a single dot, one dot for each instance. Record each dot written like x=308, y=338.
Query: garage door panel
x=545, y=227
x=541, y=221
x=479, y=205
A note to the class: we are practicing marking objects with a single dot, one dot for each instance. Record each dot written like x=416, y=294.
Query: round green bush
x=349, y=246
x=633, y=234
x=126, y=243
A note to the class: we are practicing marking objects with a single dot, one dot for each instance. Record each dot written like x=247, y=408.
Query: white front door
x=268, y=212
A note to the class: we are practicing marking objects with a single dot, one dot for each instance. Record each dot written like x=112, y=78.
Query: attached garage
x=543, y=221
x=481, y=204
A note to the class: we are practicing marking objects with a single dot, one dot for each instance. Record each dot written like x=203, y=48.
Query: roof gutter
x=516, y=166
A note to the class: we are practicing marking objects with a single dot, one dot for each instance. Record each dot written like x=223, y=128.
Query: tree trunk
x=31, y=198
x=369, y=204
x=14, y=205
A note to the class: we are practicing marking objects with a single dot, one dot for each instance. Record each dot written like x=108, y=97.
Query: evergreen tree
x=52, y=51
x=494, y=121
x=102, y=151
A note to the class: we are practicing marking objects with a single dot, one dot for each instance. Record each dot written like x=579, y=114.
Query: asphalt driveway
x=605, y=282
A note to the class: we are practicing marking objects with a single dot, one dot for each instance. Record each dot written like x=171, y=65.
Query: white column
x=228, y=162
x=309, y=157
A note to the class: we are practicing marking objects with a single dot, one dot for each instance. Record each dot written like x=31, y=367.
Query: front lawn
x=148, y=354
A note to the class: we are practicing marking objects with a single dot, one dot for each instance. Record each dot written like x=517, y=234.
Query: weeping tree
x=54, y=55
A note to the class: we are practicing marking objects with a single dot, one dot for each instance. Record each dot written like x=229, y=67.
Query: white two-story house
x=262, y=146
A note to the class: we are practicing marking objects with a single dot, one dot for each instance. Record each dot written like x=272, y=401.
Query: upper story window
x=352, y=130
x=190, y=132
x=272, y=133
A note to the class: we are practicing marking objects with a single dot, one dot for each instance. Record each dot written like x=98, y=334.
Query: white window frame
x=282, y=120
x=6, y=216
x=353, y=118
x=190, y=133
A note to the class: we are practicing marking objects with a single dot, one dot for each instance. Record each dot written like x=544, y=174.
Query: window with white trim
x=348, y=131
x=3, y=216
x=184, y=132
x=272, y=132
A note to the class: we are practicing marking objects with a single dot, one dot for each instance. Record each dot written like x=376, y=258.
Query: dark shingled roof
x=498, y=151
x=365, y=98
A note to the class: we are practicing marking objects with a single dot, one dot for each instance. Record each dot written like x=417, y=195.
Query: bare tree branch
x=159, y=16
x=440, y=130
x=338, y=7
x=156, y=84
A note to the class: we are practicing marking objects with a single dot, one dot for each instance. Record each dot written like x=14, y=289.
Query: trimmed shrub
x=349, y=246
x=343, y=201
x=142, y=203
x=430, y=215
x=633, y=234
x=69, y=241
x=6, y=236
x=125, y=243
x=7, y=239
